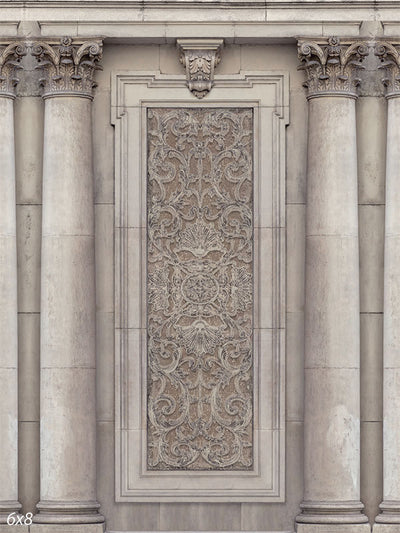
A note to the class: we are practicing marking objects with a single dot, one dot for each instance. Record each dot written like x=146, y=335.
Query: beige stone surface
x=342, y=528
x=29, y=366
x=29, y=149
x=62, y=414
x=68, y=303
x=386, y=528
x=371, y=467
x=67, y=162
x=295, y=366
x=66, y=528
x=371, y=135
x=29, y=229
x=4, y=528
x=103, y=146
x=296, y=222
x=332, y=168
x=119, y=516
x=372, y=238
x=331, y=453
x=104, y=366
x=371, y=147
x=278, y=517
x=29, y=459
x=371, y=366
x=104, y=257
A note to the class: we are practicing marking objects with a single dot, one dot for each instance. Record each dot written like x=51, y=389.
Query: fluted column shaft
x=9, y=57
x=332, y=345
x=67, y=403
x=389, y=519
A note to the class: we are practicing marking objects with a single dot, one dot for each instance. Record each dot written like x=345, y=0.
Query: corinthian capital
x=332, y=67
x=389, y=54
x=68, y=66
x=10, y=63
x=200, y=57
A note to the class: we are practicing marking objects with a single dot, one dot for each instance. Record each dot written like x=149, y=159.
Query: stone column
x=389, y=519
x=9, y=64
x=332, y=321
x=67, y=403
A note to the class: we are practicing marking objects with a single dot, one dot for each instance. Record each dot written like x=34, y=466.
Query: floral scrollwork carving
x=200, y=289
x=68, y=67
x=389, y=55
x=200, y=57
x=10, y=64
x=332, y=67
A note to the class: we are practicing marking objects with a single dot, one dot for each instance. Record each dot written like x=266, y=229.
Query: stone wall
x=337, y=165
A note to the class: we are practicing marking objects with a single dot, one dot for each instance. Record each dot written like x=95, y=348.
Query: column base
x=333, y=528
x=332, y=513
x=8, y=507
x=386, y=528
x=4, y=528
x=67, y=512
x=66, y=528
x=390, y=515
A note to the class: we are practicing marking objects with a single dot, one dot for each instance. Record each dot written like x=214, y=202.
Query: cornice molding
x=331, y=66
x=199, y=58
x=68, y=67
x=267, y=4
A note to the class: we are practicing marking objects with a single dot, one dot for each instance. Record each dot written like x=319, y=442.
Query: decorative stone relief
x=331, y=66
x=68, y=67
x=200, y=57
x=389, y=55
x=200, y=288
x=10, y=64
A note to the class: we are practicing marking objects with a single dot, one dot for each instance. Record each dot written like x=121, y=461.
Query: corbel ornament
x=389, y=55
x=68, y=66
x=332, y=66
x=10, y=64
x=200, y=57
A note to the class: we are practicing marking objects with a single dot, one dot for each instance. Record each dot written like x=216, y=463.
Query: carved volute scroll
x=332, y=66
x=10, y=63
x=200, y=57
x=200, y=289
x=68, y=66
x=389, y=54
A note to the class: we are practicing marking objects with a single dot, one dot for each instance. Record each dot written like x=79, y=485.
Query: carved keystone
x=200, y=57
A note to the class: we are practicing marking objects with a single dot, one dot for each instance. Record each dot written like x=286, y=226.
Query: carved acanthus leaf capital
x=200, y=57
x=10, y=64
x=332, y=67
x=389, y=55
x=68, y=66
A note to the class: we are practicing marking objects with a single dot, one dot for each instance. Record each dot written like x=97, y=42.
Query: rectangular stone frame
x=268, y=94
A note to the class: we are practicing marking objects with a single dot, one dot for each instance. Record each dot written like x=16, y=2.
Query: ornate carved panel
x=200, y=288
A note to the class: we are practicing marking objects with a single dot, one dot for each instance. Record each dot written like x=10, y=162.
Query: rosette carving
x=389, y=56
x=10, y=64
x=200, y=289
x=332, y=67
x=200, y=57
x=68, y=67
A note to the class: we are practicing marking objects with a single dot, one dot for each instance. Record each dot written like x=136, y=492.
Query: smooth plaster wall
x=371, y=124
